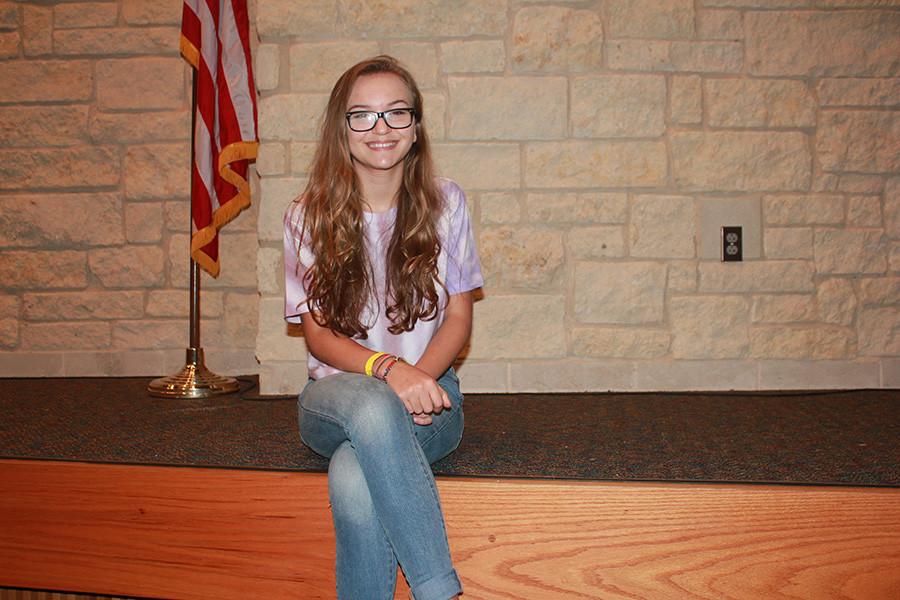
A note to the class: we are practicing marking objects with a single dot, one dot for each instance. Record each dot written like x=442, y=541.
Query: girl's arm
x=419, y=391
x=451, y=336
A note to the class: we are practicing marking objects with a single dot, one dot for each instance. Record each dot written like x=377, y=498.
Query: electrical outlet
x=732, y=244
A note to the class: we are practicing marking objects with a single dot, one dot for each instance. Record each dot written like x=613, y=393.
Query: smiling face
x=381, y=150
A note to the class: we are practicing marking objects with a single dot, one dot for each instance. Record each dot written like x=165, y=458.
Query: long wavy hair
x=340, y=280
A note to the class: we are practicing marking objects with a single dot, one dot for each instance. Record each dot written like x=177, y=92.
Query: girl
x=380, y=264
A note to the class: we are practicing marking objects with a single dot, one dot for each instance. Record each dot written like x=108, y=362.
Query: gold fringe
x=230, y=209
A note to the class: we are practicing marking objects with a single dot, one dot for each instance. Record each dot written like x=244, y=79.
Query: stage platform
x=688, y=495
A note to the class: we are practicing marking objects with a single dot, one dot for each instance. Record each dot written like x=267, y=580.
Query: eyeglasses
x=365, y=120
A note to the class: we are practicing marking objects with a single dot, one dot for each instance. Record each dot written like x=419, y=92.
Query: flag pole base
x=193, y=381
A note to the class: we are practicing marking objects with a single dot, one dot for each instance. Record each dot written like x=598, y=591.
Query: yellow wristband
x=371, y=362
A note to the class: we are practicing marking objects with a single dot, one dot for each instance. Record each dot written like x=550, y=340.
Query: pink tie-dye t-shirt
x=458, y=268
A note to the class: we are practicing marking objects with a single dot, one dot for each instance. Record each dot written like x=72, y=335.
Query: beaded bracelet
x=389, y=367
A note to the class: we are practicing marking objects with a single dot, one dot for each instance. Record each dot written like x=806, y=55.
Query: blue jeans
x=383, y=497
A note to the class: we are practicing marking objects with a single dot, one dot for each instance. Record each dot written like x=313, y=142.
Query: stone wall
x=602, y=144
x=94, y=199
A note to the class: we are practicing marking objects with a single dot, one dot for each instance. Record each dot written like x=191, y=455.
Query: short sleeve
x=463, y=266
x=298, y=259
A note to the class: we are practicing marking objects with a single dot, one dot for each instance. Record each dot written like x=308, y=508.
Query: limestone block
x=128, y=266
x=143, y=222
x=423, y=18
x=662, y=227
x=572, y=375
x=176, y=303
x=36, y=126
x=499, y=208
x=784, y=308
x=512, y=108
x=521, y=257
x=150, y=334
x=488, y=377
x=420, y=58
x=31, y=364
x=119, y=363
x=740, y=161
x=556, y=39
x=757, y=276
x=241, y=319
x=682, y=276
x=271, y=159
x=836, y=301
x=826, y=374
x=519, y=326
x=237, y=255
x=685, y=99
x=864, y=211
x=296, y=18
x=619, y=342
x=852, y=91
x=660, y=55
x=315, y=67
x=159, y=12
x=65, y=336
x=78, y=306
x=61, y=220
x=475, y=56
x=802, y=342
x=821, y=43
x=788, y=242
x=850, y=251
x=892, y=207
x=599, y=241
x=894, y=257
x=270, y=270
x=275, y=195
x=9, y=44
x=580, y=164
x=709, y=327
x=178, y=215
x=131, y=128
x=149, y=168
x=302, y=156
x=9, y=333
x=480, y=166
x=759, y=103
x=37, y=29
x=880, y=290
x=126, y=40
x=267, y=66
x=806, y=209
x=9, y=307
x=693, y=375
x=291, y=117
x=631, y=292
x=435, y=109
x=141, y=83
x=43, y=269
x=275, y=340
x=859, y=140
x=282, y=377
x=9, y=15
x=46, y=81
x=720, y=25
x=85, y=14
x=860, y=184
x=618, y=106
x=657, y=19
x=577, y=207
x=85, y=166
x=879, y=331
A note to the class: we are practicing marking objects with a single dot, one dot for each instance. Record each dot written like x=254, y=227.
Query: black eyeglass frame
x=380, y=115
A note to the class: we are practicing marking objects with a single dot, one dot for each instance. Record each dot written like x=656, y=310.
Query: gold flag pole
x=194, y=380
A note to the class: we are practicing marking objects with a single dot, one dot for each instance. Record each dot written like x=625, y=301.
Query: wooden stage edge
x=199, y=533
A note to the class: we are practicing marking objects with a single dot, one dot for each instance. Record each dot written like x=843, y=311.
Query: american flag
x=215, y=40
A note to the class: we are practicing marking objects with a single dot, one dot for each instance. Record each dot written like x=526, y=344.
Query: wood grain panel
x=215, y=533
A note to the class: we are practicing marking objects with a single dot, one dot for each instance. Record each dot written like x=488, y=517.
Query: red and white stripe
x=215, y=40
